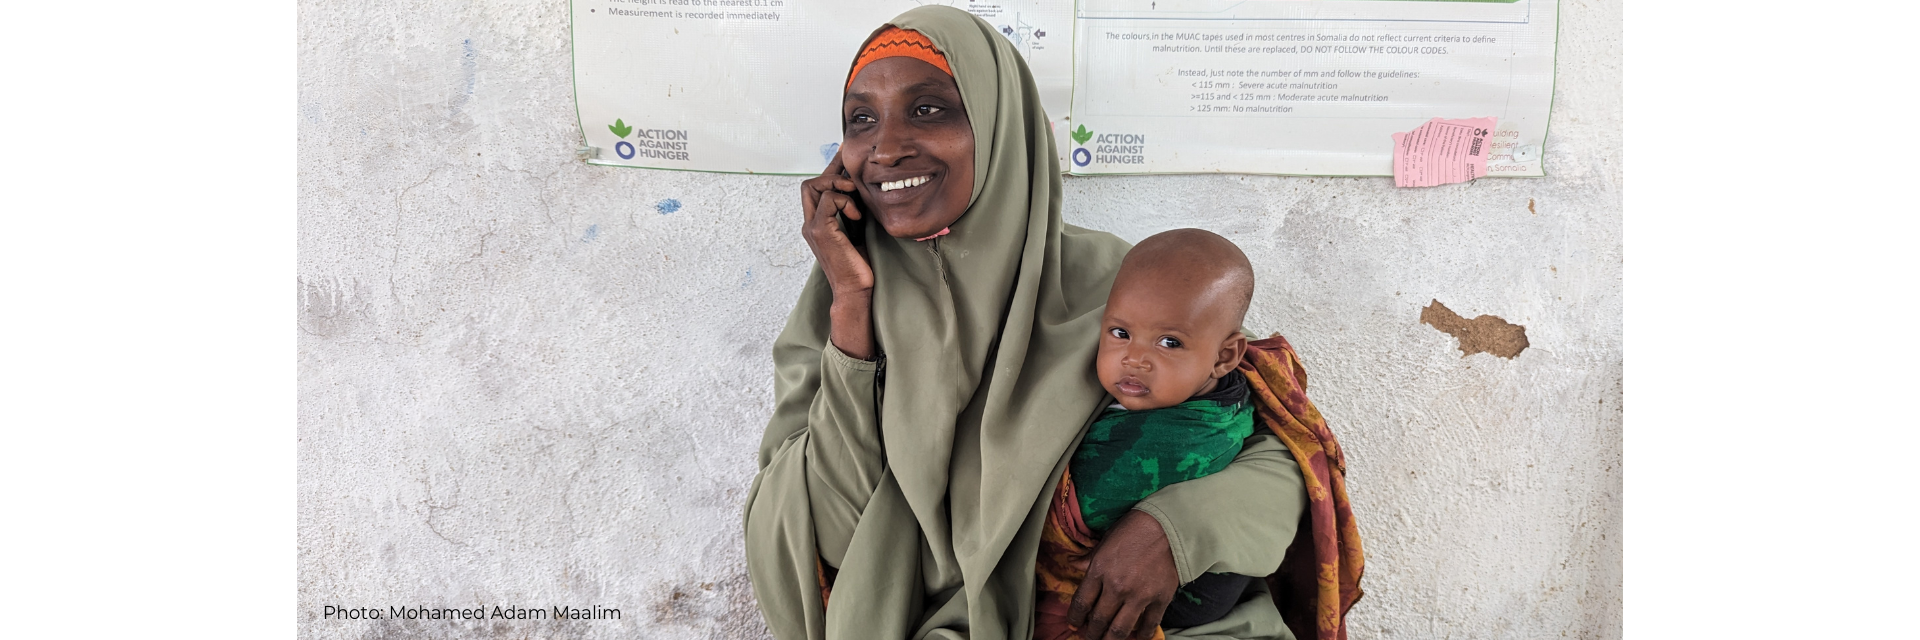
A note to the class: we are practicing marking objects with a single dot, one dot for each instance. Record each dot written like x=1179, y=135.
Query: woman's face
x=908, y=146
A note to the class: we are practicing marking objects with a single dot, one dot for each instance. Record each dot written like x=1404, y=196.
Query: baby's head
x=1172, y=326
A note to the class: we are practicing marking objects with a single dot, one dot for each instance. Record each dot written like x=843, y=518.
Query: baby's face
x=1163, y=342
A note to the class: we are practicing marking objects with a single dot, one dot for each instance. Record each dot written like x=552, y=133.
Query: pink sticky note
x=1442, y=152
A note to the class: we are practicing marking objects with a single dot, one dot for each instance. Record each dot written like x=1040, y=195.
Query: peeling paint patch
x=667, y=206
x=1483, y=334
x=328, y=303
x=725, y=606
x=593, y=231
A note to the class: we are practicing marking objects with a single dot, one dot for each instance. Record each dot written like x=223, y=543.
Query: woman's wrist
x=852, y=317
x=851, y=295
x=851, y=306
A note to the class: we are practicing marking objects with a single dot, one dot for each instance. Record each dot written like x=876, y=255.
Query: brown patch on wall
x=1484, y=334
x=725, y=608
x=1530, y=207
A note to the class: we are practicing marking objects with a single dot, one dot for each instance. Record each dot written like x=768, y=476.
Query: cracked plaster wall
x=522, y=380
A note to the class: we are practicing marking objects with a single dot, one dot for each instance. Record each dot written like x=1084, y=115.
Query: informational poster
x=754, y=86
x=1304, y=87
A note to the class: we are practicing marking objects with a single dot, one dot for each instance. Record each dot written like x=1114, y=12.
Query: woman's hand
x=1130, y=580
x=845, y=265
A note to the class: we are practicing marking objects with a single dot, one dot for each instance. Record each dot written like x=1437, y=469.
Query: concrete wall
x=528, y=381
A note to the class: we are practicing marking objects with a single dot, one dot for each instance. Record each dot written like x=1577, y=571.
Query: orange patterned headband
x=895, y=41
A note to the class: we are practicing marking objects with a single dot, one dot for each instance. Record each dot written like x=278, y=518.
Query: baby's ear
x=1231, y=350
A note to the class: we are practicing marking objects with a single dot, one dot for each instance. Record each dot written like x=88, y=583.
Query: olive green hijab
x=988, y=336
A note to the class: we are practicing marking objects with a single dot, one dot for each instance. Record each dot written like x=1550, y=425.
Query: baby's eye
x=1118, y=332
x=1169, y=342
x=926, y=110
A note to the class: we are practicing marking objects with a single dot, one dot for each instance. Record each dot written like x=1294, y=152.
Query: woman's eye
x=1118, y=332
x=926, y=110
x=1169, y=343
x=861, y=118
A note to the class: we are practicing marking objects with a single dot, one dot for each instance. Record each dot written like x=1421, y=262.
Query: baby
x=1171, y=341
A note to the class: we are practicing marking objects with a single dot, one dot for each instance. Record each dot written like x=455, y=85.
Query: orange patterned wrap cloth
x=894, y=41
x=1319, y=579
x=1065, y=545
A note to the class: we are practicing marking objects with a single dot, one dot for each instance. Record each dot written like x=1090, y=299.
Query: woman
x=934, y=378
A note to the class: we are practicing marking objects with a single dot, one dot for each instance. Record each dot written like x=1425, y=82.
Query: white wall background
x=522, y=381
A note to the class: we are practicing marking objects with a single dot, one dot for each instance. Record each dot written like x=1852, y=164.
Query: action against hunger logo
x=661, y=144
x=1108, y=148
x=1081, y=156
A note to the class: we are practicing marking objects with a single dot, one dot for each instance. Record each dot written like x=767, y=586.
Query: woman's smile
x=891, y=194
x=905, y=184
